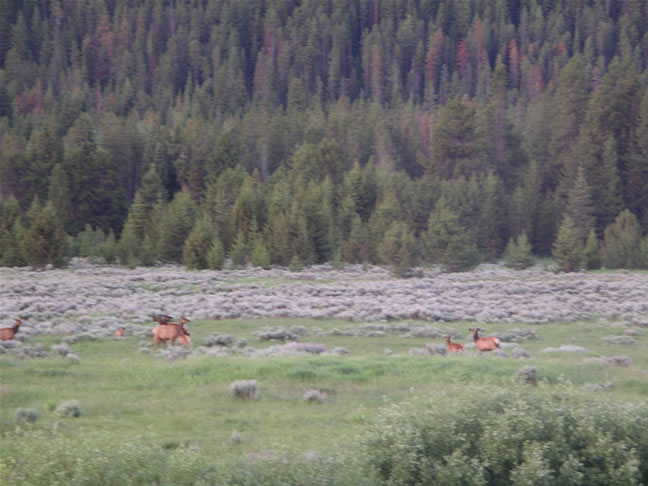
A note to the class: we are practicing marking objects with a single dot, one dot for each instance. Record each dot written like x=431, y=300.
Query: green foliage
x=109, y=118
x=398, y=249
x=197, y=245
x=296, y=264
x=259, y=256
x=239, y=251
x=518, y=253
x=45, y=242
x=504, y=436
x=90, y=241
x=216, y=255
x=621, y=242
x=568, y=247
x=176, y=223
x=592, y=251
x=448, y=241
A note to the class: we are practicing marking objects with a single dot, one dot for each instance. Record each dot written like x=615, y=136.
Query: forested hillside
x=294, y=132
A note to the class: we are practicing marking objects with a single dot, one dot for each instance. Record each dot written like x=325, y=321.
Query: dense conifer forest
x=287, y=132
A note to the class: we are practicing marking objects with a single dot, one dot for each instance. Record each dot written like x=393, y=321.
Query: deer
x=120, y=331
x=453, y=347
x=8, y=333
x=484, y=343
x=170, y=331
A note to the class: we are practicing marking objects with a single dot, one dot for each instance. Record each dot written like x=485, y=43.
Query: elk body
x=453, y=347
x=120, y=331
x=8, y=333
x=170, y=331
x=484, y=343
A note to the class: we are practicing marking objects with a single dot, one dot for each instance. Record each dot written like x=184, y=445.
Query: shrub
x=510, y=436
x=69, y=408
x=24, y=415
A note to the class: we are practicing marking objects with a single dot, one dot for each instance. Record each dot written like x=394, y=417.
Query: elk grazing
x=8, y=333
x=170, y=331
x=484, y=343
x=120, y=331
x=453, y=347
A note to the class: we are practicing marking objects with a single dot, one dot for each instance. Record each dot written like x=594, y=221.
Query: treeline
x=281, y=131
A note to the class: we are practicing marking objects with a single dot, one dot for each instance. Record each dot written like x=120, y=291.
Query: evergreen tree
x=216, y=255
x=45, y=242
x=579, y=205
x=197, y=245
x=592, y=252
x=568, y=247
x=11, y=246
x=447, y=241
x=621, y=242
x=398, y=249
x=518, y=253
x=175, y=225
x=59, y=195
x=239, y=252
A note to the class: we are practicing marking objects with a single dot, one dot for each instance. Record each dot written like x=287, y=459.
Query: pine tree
x=448, y=242
x=216, y=255
x=398, y=249
x=45, y=242
x=568, y=247
x=239, y=252
x=518, y=253
x=197, y=245
x=621, y=242
x=592, y=252
x=59, y=195
x=579, y=205
x=11, y=246
x=175, y=225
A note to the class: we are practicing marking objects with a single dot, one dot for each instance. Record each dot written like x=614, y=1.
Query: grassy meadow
x=129, y=394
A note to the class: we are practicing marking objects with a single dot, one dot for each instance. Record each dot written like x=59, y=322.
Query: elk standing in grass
x=120, y=331
x=453, y=347
x=170, y=331
x=8, y=333
x=484, y=343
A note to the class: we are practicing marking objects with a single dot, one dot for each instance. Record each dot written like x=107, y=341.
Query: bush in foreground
x=482, y=436
x=510, y=437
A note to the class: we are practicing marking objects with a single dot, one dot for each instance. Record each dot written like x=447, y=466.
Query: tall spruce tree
x=568, y=247
x=45, y=242
x=621, y=242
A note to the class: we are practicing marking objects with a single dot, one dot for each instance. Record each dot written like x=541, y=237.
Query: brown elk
x=484, y=343
x=8, y=333
x=120, y=331
x=170, y=331
x=453, y=347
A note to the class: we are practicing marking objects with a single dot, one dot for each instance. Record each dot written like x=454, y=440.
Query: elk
x=484, y=343
x=453, y=347
x=170, y=331
x=8, y=333
x=162, y=319
x=120, y=331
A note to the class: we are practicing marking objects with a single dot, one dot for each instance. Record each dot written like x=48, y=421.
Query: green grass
x=188, y=402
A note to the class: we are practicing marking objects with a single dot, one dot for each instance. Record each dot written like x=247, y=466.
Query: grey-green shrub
x=488, y=436
x=69, y=408
x=24, y=415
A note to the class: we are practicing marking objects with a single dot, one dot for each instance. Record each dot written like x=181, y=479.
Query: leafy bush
x=510, y=437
